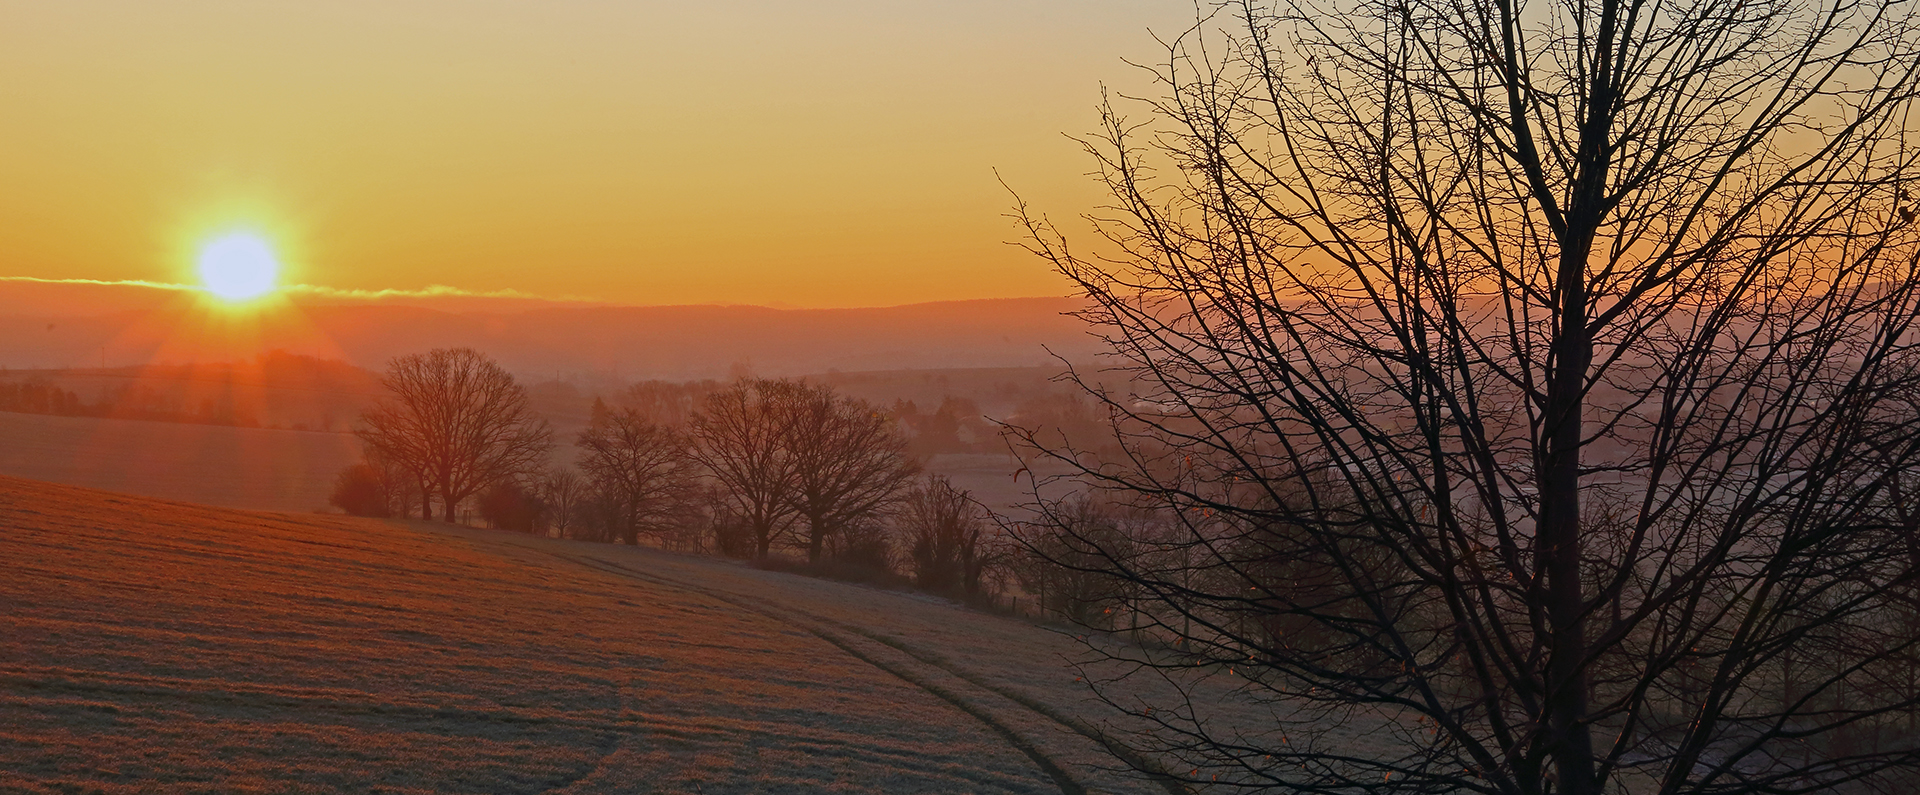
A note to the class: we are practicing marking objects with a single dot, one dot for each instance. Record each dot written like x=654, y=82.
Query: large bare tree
x=457, y=420
x=738, y=437
x=1534, y=386
x=849, y=461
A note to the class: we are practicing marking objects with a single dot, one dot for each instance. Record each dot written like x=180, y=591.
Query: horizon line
x=510, y=294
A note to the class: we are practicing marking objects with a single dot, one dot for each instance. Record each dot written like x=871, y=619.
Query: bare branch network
x=1524, y=395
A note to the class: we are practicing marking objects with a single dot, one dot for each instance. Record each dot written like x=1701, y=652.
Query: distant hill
x=83, y=325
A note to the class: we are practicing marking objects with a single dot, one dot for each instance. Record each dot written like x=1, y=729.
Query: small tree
x=378, y=486
x=458, y=421
x=402, y=484
x=507, y=505
x=597, y=518
x=563, y=492
x=1078, y=555
x=360, y=490
x=949, y=541
x=863, y=552
x=732, y=537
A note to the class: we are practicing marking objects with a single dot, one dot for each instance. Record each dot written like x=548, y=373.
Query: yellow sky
x=836, y=153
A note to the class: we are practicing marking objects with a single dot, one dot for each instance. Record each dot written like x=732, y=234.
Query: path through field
x=154, y=646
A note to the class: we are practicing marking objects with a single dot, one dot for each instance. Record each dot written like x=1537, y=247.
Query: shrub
x=508, y=506
x=361, y=491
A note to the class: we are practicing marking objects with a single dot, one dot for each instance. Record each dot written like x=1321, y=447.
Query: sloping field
x=156, y=646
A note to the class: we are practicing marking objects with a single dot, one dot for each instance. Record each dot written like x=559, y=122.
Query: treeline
x=130, y=403
x=39, y=398
x=746, y=470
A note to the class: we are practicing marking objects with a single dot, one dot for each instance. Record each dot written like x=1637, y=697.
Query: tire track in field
x=811, y=624
x=1133, y=759
x=610, y=743
x=1158, y=774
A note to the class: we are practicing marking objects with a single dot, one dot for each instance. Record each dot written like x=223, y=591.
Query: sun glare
x=238, y=267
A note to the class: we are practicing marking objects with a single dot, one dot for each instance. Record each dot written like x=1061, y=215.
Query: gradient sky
x=837, y=153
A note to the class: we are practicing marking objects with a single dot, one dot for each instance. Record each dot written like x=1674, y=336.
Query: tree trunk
x=1570, y=742
x=816, y=538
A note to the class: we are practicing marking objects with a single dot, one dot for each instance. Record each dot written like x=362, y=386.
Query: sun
x=238, y=267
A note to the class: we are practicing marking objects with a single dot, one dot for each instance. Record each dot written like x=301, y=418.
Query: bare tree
x=950, y=542
x=509, y=504
x=563, y=492
x=849, y=461
x=404, y=486
x=645, y=469
x=458, y=421
x=738, y=437
x=1080, y=559
x=731, y=535
x=1531, y=384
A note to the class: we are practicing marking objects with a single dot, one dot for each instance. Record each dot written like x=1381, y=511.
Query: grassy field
x=160, y=646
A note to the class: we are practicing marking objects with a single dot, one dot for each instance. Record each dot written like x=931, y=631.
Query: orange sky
x=836, y=153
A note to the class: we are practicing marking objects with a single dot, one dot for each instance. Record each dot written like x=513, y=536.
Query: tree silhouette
x=1533, y=388
x=644, y=468
x=459, y=421
x=739, y=439
x=849, y=461
x=951, y=545
x=564, y=493
x=361, y=491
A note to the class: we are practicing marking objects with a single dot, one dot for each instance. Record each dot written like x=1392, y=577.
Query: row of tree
x=32, y=397
x=738, y=469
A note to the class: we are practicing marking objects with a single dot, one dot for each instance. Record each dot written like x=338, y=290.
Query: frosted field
x=155, y=646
